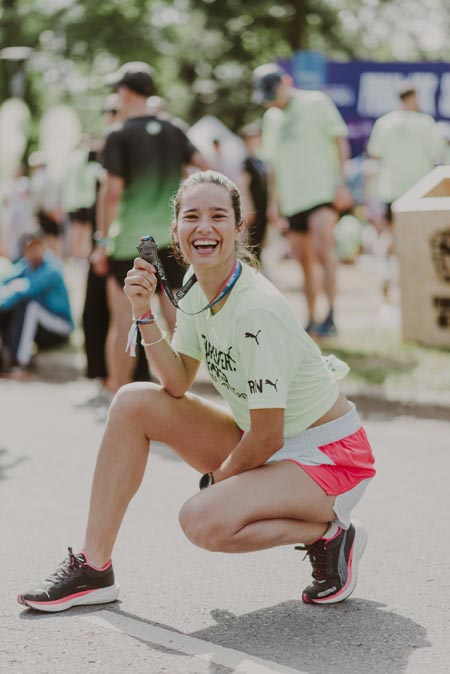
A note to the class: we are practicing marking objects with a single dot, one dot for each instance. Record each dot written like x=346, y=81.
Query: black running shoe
x=335, y=564
x=74, y=583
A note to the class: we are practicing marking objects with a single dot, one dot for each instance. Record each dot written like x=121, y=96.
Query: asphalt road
x=184, y=610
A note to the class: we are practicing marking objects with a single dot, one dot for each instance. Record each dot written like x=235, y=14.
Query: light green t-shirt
x=79, y=189
x=408, y=144
x=257, y=354
x=300, y=142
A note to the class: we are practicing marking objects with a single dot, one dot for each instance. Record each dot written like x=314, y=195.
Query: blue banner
x=365, y=90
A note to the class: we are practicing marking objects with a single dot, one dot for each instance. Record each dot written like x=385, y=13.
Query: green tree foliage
x=204, y=50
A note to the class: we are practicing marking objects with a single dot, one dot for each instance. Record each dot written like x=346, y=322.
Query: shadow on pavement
x=7, y=464
x=356, y=637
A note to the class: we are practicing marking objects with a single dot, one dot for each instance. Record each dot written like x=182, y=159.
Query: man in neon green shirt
x=407, y=144
x=304, y=139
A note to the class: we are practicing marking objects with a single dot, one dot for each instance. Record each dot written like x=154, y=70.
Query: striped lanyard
x=148, y=250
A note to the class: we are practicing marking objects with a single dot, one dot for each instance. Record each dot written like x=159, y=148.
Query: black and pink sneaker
x=335, y=565
x=74, y=583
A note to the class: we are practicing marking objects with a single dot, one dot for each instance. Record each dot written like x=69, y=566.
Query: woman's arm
x=175, y=371
x=265, y=437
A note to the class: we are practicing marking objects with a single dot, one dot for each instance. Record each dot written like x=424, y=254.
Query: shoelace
x=66, y=567
x=318, y=556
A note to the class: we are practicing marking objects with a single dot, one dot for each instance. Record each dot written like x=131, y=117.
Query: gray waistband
x=329, y=432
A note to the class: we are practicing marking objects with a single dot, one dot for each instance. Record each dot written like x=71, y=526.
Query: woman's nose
x=204, y=225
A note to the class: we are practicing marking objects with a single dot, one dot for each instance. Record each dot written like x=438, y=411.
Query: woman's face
x=206, y=227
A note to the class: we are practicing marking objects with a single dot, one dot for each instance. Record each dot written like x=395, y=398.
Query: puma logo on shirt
x=257, y=385
x=270, y=383
x=250, y=335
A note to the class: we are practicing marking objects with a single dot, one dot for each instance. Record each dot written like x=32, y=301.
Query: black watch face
x=206, y=480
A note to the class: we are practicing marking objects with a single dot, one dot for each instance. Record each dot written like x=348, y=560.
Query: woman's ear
x=173, y=228
x=240, y=229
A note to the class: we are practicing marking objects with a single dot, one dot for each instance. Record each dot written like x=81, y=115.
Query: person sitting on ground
x=286, y=466
x=34, y=305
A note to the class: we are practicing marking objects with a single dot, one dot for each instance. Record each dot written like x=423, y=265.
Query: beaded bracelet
x=157, y=341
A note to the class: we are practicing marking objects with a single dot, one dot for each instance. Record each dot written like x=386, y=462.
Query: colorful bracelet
x=145, y=319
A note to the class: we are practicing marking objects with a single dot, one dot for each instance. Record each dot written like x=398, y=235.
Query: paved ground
x=180, y=606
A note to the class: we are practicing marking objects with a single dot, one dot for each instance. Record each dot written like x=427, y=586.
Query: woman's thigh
x=201, y=432
x=280, y=490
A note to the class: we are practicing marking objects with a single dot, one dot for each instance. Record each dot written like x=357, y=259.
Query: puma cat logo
x=252, y=336
x=270, y=383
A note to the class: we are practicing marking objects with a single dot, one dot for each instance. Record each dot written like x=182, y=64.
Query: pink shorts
x=337, y=456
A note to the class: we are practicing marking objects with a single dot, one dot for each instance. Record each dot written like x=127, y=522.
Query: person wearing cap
x=34, y=306
x=407, y=145
x=144, y=159
x=304, y=139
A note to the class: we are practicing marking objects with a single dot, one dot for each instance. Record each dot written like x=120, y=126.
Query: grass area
x=403, y=368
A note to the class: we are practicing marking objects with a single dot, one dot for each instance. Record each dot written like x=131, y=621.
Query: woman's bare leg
x=276, y=504
x=202, y=433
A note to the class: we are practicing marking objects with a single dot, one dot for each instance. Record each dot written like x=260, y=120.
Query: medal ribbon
x=148, y=250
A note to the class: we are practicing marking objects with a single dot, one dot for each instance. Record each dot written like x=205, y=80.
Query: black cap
x=265, y=80
x=136, y=75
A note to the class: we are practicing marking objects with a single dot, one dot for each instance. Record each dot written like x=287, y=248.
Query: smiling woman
x=225, y=206
x=285, y=465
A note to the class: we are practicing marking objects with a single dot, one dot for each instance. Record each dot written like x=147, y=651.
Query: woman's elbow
x=174, y=390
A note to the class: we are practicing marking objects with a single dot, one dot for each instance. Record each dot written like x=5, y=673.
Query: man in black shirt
x=144, y=158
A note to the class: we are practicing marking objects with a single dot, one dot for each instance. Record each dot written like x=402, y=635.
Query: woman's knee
x=201, y=525
x=135, y=402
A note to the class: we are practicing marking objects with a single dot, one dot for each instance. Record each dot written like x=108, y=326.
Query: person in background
x=144, y=159
x=254, y=187
x=305, y=141
x=46, y=198
x=407, y=144
x=34, y=306
x=16, y=217
x=79, y=194
x=95, y=316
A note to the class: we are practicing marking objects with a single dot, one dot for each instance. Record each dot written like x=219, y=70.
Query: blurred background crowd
x=57, y=111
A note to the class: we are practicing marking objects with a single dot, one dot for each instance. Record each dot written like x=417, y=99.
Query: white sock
x=332, y=530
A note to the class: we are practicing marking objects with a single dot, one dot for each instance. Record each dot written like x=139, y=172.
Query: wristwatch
x=206, y=480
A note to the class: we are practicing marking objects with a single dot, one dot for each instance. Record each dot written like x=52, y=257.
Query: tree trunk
x=297, y=29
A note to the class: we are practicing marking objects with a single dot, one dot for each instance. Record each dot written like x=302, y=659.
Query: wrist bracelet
x=145, y=319
x=100, y=240
x=157, y=341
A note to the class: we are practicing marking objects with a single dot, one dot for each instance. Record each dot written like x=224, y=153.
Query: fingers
x=140, y=263
x=140, y=280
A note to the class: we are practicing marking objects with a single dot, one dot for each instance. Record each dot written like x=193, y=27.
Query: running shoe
x=327, y=328
x=335, y=565
x=74, y=583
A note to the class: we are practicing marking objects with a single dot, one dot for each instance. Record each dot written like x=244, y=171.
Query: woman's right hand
x=140, y=286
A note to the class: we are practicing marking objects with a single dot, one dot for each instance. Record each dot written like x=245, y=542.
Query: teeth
x=205, y=242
